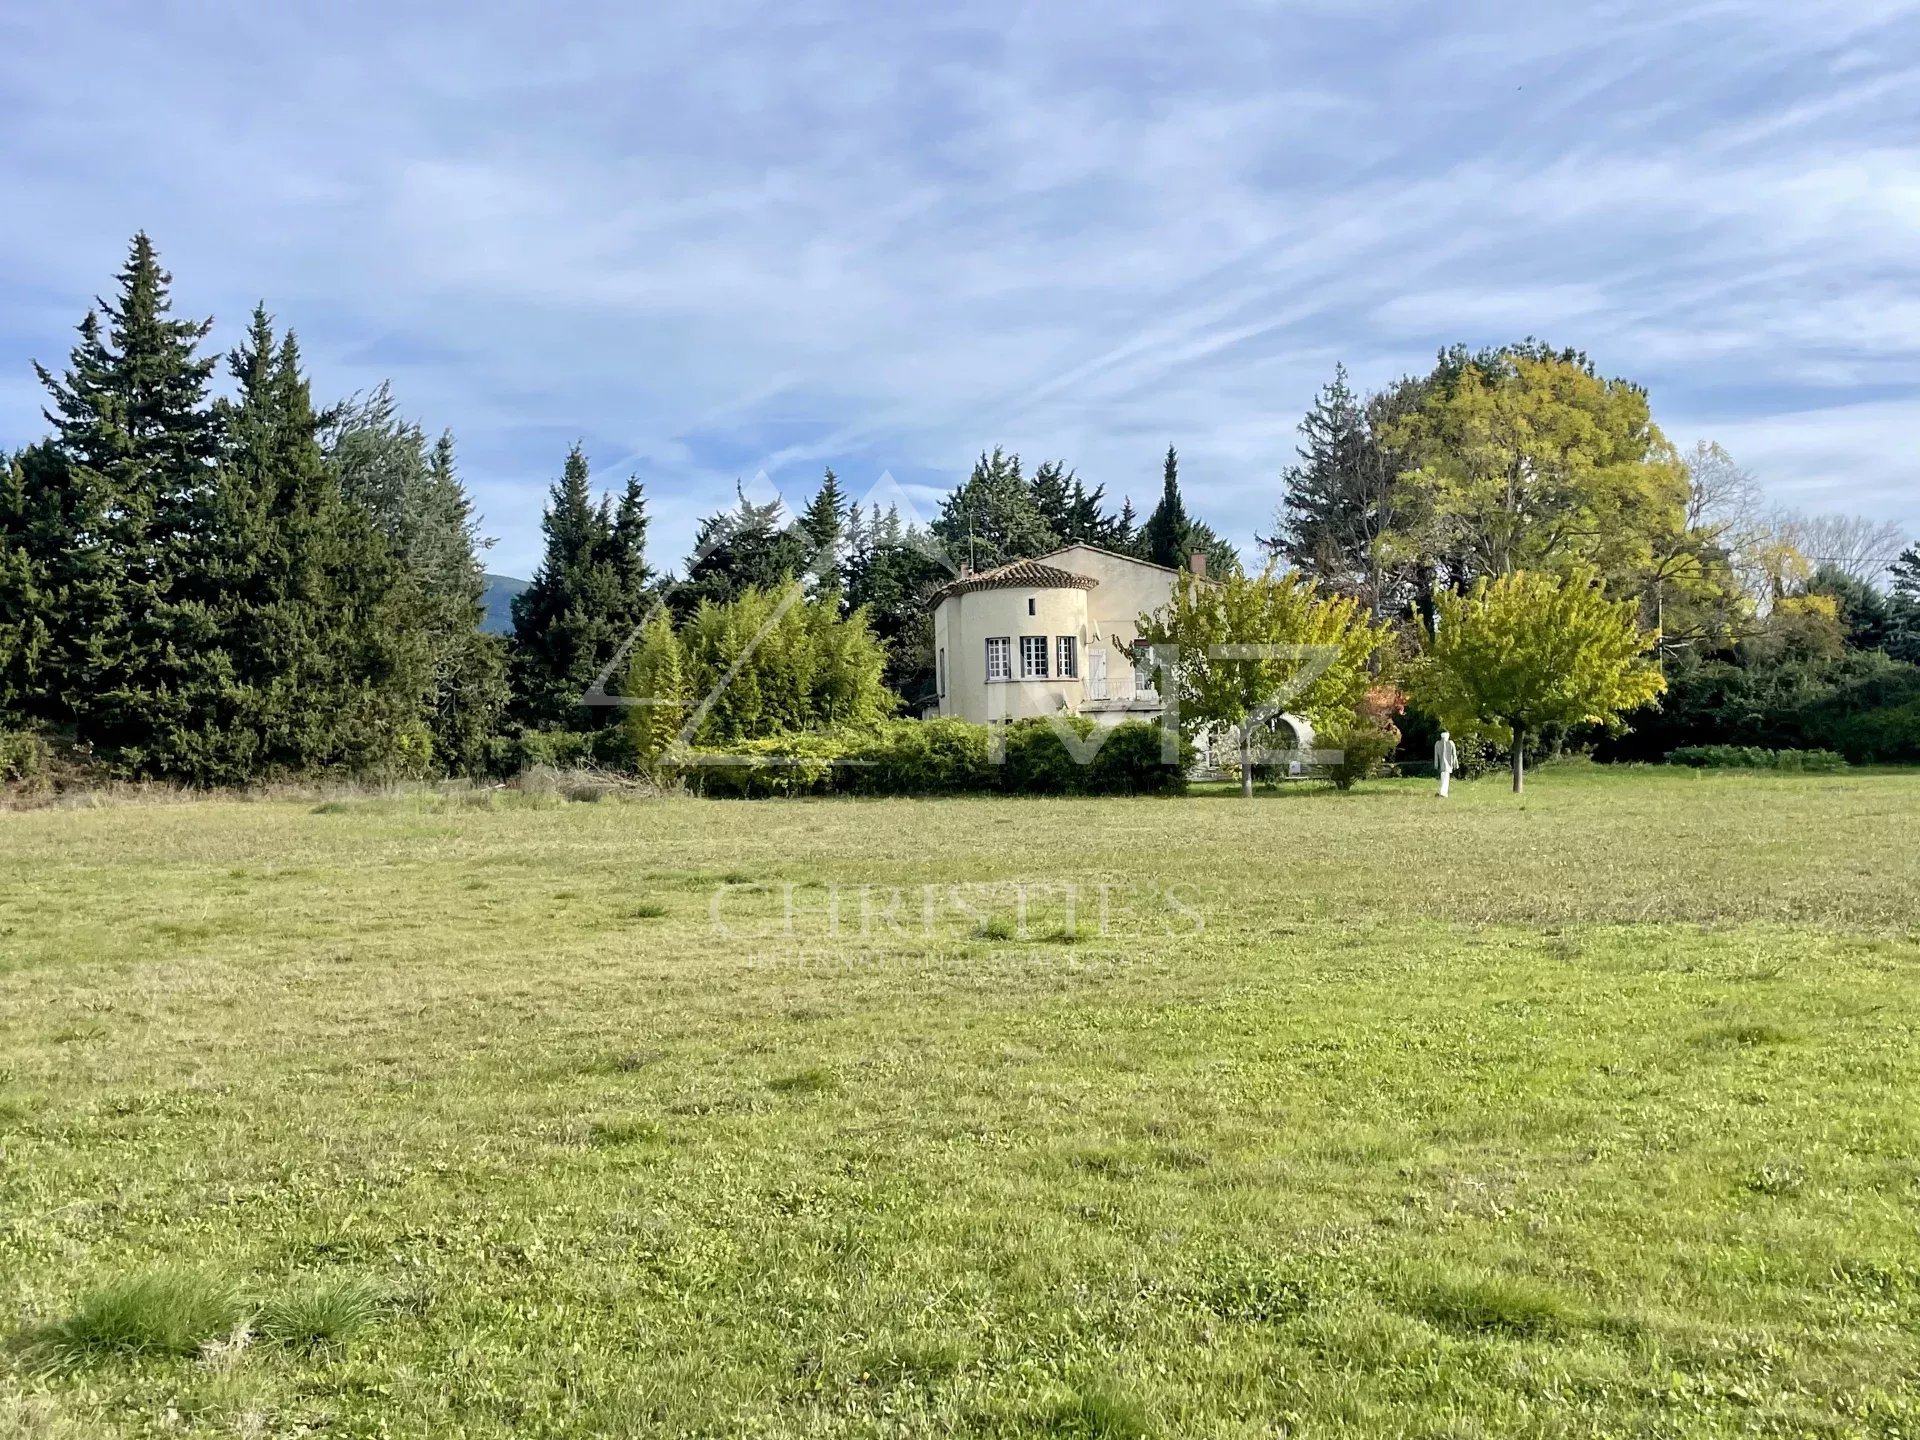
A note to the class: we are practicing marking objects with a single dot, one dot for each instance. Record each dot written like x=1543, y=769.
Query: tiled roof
x=1018, y=575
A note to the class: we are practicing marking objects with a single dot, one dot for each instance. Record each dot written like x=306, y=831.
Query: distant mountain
x=499, y=602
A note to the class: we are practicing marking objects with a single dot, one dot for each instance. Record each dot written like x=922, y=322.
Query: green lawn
x=1588, y=1114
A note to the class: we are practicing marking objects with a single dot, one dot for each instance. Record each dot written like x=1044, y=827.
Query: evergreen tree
x=424, y=515
x=1052, y=490
x=136, y=443
x=312, y=668
x=1339, y=503
x=1164, y=539
x=750, y=545
x=892, y=577
x=1125, y=536
x=1087, y=520
x=584, y=606
x=1906, y=574
x=825, y=523
x=47, y=567
x=993, y=518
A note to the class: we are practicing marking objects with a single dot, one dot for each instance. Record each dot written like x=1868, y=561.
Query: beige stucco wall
x=962, y=625
x=1127, y=588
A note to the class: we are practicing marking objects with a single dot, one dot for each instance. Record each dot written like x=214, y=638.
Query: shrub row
x=949, y=757
x=1755, y=757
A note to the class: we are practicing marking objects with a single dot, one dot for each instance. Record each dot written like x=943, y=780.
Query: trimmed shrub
x=919, y=757
x=944, y=757
x=1038, y=761
x=780, y=765
x=1755, y=757
x=1131, y=762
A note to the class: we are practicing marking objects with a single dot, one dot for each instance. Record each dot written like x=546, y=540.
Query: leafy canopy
x=1528, y=650
x=1324, y=644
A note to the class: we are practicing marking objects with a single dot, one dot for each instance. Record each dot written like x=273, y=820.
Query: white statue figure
x=1445, y=757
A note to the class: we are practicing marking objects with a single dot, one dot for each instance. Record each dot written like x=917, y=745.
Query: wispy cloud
x=885, y=239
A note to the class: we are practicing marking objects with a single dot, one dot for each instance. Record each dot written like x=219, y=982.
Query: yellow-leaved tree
x=1530, y=461
x=1528, y=650
x=1233, y=652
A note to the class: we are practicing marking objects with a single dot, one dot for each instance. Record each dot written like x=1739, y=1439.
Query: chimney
x=1197, y=562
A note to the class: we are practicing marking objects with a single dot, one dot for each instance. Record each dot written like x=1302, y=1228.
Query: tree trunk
x=1519, y=760
x=1246, y=761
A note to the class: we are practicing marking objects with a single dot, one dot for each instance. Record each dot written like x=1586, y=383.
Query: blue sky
x=715, y=241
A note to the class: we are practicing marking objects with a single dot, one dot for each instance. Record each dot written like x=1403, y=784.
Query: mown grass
x=1361, y=1115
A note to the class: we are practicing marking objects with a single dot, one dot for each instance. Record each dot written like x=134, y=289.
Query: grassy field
x=1592, y=1114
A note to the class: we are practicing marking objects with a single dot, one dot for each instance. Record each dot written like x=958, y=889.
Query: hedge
x=1755, y=757
x=946, y=757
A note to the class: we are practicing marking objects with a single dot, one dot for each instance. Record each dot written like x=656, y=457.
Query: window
x=1066, y=654
x=1143, y=669
x=1033, y=657
x=1030, y=602
x=999, y=664
x=942, y=688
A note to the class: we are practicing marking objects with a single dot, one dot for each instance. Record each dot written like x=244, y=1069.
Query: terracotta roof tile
x=1018, y=575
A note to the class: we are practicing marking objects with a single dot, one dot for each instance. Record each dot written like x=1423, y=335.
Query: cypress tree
x=1164, y=538
x=46, y=564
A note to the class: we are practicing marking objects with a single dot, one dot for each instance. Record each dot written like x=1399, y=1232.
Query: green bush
x=1878, y=737
x=1755, y=757
x=780, y=765
x=1130, y=762
x=612, y=747
x=1362, y=751
x=943, y=757
x=1037, y=760
x=24, y=759
x=919, y=757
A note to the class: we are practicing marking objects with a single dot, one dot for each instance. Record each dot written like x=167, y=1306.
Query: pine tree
x=136, y=441
x=551, y=659
x=25, y=615
x=1164, y=538
x=1906, y=574
x=1125, y=535
x=1340, y=500
x=1052, y=490
x=1087, y=520
x=633, y=579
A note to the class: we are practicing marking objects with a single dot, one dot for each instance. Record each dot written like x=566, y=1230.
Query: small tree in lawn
x=1529, y=650
x=1246, y=647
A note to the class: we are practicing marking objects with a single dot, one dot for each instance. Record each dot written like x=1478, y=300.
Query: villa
x=1047, y=636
